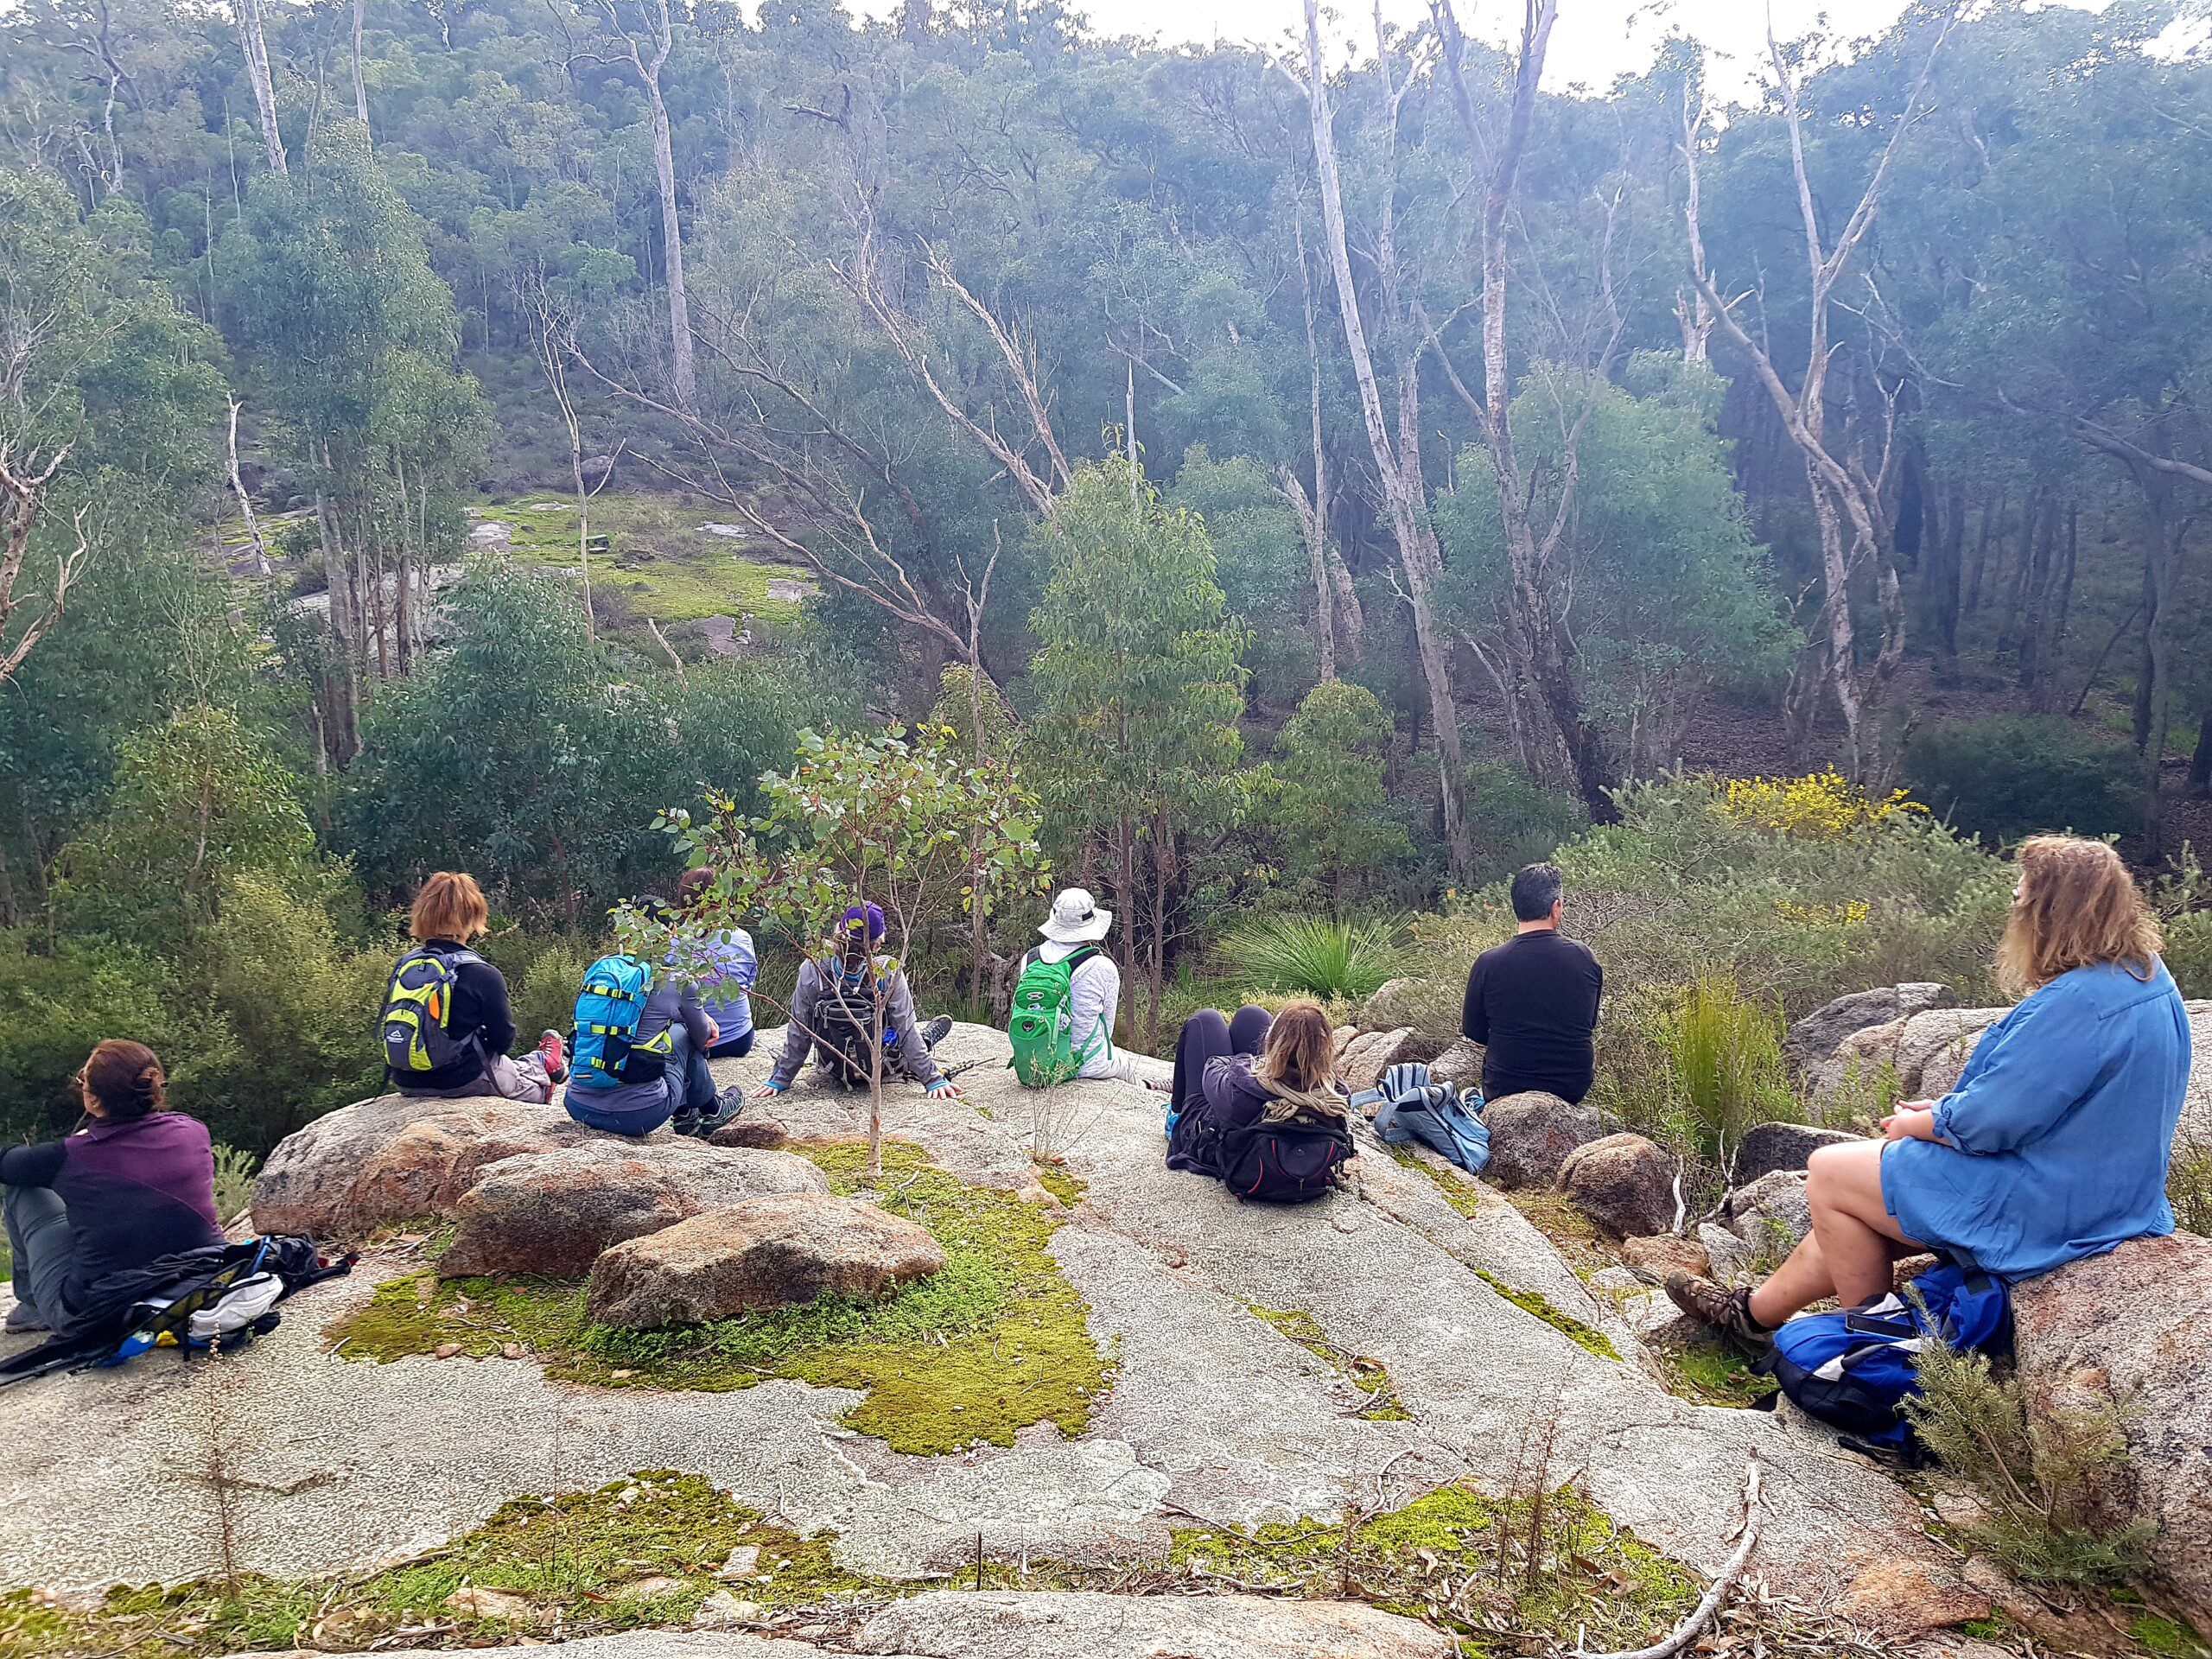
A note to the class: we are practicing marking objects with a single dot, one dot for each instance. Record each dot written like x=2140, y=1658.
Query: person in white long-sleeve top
x=1078, y=927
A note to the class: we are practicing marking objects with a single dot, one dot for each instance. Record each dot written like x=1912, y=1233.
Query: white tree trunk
x=264, y=86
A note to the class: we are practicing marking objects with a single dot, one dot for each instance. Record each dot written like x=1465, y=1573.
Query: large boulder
x=1814, y=1037
x=1767, y=1147
x=2132, y=1327
x=1460, y=1065
x=763, y=1253
x=1850, y=1078
x=1091, y=1624
x=395, y=1160
x=553, y=1212
x=1623, y=1182
x=1531, y=1133
x=1934, y=1047
x=1771, y=1214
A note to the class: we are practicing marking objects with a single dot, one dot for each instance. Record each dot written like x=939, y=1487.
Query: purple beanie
x=854, y=914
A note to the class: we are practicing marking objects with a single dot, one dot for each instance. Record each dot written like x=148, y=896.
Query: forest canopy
x=446, y=432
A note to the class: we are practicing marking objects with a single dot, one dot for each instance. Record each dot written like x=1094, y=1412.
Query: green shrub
x=1315, y=954
x=56, y=1005
x=1725, y=1051
x=2009, y=777
x=2183, y=899
x=1516, y=821
x=545, y=997
x=2035, y=1471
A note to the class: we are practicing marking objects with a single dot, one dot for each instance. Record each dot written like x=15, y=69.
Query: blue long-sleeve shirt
x=2055, y=1143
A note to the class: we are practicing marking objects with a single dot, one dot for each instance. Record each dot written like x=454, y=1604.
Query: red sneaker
x=555, y=1053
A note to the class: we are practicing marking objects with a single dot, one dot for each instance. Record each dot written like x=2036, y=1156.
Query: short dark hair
x=1535, y=890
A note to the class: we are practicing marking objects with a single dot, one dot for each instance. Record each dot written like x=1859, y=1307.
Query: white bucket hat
x=1076, y=919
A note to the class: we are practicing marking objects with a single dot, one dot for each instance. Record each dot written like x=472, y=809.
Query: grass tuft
x=1316, y=956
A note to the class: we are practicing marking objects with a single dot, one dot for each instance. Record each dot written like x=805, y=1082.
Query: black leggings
x=1206, y=1037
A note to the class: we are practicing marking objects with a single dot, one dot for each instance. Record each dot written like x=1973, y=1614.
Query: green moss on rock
x=1530, y=1301
x=995, y=1341
x=1368, y=1375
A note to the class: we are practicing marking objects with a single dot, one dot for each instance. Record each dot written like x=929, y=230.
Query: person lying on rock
x=1532, y=1002
x=652, y=1053
x=1232, y=1072
x=2054, y=1144
x=133, y=1183
x=729, y=965
x=835, y=1017
x=446, y=1022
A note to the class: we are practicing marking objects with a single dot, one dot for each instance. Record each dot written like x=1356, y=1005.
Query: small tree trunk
x=1992, y=513
x=264, y=89
x=341, y=681
x=360, y=89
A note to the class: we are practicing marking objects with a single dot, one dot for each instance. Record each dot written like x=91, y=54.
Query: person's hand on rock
x=945, y=1089
x=767, y=1091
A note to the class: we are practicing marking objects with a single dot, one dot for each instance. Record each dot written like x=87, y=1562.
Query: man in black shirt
x=1532, y=1002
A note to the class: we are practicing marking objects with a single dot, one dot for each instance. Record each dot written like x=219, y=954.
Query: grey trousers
x=44, y=1248
x=524, y=1079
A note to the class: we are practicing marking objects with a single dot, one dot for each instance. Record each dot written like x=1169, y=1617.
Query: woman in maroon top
x=135, y=1182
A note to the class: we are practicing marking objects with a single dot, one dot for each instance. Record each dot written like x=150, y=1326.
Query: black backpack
x=845, y=1032
x=1290, y=1162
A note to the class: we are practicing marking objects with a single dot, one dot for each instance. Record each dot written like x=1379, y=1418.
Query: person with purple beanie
x=134, y=1183
x=829, y=998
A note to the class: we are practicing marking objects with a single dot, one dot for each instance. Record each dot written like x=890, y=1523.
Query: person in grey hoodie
x=854, y=975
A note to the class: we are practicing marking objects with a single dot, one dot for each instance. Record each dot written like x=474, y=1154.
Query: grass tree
x=926, y=829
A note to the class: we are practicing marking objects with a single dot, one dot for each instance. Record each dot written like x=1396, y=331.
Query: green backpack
x=1042, y=1023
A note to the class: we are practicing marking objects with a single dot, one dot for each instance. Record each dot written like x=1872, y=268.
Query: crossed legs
x=1854, y=1238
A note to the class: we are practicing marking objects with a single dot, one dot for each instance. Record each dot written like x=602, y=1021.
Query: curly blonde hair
x=2076, y=906
x=1300, y=1052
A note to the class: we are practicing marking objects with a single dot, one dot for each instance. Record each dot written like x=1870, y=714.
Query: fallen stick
x=1715, y=1593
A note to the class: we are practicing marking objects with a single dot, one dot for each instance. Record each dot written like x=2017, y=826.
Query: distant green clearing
x=657, y=558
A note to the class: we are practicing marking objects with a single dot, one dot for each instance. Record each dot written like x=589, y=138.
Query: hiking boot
x=727, y=1105
x=1726, y=1310
x=23, y=1319
x=686, y=1124
x=555, y=1053
x=934, y=1032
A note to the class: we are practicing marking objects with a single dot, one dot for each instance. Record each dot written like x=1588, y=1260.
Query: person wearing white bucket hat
x=1075, y=930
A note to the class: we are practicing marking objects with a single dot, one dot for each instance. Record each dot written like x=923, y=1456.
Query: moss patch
x=1706, y=1370
x=2165, y=1638
x=1476, y=1565
x=995, y=1342
x=657, y=559
x=1368, y=1375
x=1535, y=1302
x=643, y=1550
x=1064, y=1184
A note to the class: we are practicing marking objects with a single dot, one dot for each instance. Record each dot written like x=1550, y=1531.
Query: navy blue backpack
x=1856, y=1368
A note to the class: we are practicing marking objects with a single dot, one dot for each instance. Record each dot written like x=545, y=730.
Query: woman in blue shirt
x=725, y=965
x=2054, y=1144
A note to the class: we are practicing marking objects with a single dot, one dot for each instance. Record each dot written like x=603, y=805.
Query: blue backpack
x=1856, y=1368
x=1408, y=1107
x=608, y=1050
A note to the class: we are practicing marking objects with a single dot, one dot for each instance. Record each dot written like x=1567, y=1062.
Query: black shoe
x=727, y=1105
x=23, y=1319
x=686, y=1123
x=934, y=1032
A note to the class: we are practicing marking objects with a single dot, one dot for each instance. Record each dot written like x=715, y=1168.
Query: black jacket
x=480, y=1010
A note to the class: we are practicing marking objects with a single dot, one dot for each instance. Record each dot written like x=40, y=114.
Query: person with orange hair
x=134, y=1182
x=447, y=1021
x=2055, y=1142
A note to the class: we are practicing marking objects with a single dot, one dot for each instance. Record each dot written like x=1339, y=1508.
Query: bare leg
x=1853, y=1240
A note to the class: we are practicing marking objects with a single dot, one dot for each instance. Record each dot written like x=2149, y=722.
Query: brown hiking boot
x=1726, y=1310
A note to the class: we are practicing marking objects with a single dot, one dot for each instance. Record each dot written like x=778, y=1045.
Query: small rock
x=472, y=1602
x=1662, y=1253
x=1623, y=1182
x=1460, y=1065
x=658, y=1585
x=1902, y=1599
x=744, y=1562
x=1959, y=1509
x=1530, y=1136
x=1905, y=1270
x=511, y=1350
x=764, y=1253
x=1729, y=1257
x=1768, y=1147
x=445, y=1350
x=1372, y=1053
x=1815, y=1036
x=721, y=1611
x=1771, y=1214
